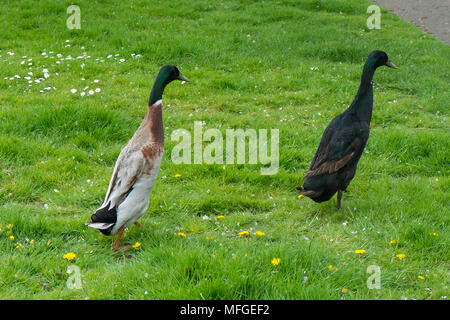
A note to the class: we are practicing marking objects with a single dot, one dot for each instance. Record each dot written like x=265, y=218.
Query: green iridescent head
x=166, y=75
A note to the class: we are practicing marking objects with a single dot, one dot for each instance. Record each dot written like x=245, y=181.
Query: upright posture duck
x=334, y=164
x=136, y=168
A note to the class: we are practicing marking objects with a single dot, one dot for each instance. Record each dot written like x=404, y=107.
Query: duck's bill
x=391, y=65
x=183, y=78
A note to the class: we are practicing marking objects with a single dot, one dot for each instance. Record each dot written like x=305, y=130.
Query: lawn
x=286, y=65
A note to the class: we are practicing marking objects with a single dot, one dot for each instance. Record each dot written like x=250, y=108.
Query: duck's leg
x=339, y=197
x=138, y=224
x=117, y=241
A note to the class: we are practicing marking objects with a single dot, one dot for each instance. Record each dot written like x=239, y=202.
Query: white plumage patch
x=99, y=225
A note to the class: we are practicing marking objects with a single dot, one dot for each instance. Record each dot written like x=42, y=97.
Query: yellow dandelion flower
x=32, y=241
x=245, y=255
x=8, y=232
x=69, y=256
x=136, y=245
x=182, y=234
x=300, y=196
x=9, y=226
x=360, y=251
x=434, y=234
x=393, y=241
x=220, y=217
x=260, y=233
x=177, y=175
x=421, y=277
x=344, y=290
x=331, y=267
x=400, y=255
x=244, y=233
x=11, y=237
x=276, y=261
x=19, y=245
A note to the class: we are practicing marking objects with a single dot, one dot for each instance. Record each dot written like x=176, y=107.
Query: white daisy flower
x=73, y=90
x=98, y=90
x=91, y=92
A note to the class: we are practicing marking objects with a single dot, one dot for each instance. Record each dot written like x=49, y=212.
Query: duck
x=136, y=167
x=343, y=141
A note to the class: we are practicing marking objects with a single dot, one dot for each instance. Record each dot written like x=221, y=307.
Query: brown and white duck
x=136, y=168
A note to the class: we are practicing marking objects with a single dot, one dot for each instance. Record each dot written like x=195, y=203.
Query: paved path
x=432, y=16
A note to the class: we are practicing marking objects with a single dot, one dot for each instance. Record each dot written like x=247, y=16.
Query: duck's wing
x=129, y=167
x=337, y=147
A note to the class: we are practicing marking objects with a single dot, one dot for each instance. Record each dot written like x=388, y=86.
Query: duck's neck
x=153, y=120
x=362, y=105
x=160, y=84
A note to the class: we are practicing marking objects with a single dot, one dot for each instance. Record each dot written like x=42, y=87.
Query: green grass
x=250, y=67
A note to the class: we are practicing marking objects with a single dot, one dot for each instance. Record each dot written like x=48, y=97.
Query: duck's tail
x=99, y=225
x=103, y=219
x=309, y=193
